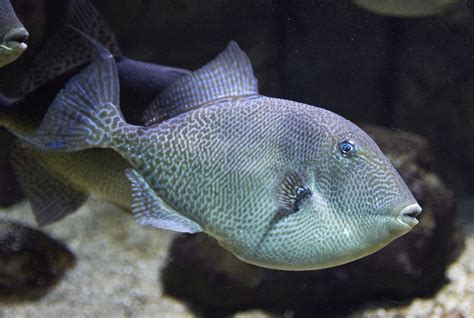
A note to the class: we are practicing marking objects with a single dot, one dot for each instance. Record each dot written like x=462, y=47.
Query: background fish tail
x=85, y=113
x=51, y=196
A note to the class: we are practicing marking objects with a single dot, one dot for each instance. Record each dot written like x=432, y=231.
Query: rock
x=212, y=279
x=30, y=261
x=454, y=300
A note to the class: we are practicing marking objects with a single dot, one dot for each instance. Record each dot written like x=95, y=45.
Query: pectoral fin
x=291, y=191
x=149, y=208
x=50, y=196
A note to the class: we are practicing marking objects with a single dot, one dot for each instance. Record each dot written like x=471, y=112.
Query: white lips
x=408, y=214
x=12, y=45
x=14, y=40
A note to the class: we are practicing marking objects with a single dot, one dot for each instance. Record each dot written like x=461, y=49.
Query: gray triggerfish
x=280, y=184
x=12, y=34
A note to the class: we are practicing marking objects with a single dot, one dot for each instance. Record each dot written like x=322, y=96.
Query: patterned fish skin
x=221, y=163
x=12, y=34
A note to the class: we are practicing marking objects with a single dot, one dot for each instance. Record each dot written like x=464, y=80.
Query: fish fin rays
x=51, y=197
x=229, y=74
x=291, y=191
x=149, y=208
x=66, y=50
x=84, y=112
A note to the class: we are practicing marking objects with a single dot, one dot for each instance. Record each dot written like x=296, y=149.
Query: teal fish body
x=228, y=176
x=12, y=34
x=280, y=184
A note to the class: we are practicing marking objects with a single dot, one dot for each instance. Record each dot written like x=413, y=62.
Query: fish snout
x=16, y=38
x=408, y=214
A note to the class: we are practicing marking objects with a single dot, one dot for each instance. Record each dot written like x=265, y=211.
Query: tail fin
x=66, y=49
x=85, y=113
x=51, y=196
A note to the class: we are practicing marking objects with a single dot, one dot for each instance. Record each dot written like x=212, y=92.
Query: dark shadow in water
x=213, y=283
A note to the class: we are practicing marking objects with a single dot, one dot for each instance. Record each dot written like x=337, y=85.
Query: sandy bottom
x=117, y=273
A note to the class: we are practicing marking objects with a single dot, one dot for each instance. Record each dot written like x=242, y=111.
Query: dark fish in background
x=407, y=8
x=12, y=34
x=65, y=54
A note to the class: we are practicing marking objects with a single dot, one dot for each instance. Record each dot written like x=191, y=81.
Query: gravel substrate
x=117, y=273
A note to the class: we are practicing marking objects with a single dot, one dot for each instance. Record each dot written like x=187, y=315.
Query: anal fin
x=149, y=208
x=50, y=196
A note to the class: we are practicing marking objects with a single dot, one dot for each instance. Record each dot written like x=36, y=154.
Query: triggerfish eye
x=346, y=147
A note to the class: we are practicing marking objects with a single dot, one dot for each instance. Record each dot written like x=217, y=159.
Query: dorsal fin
x=229, y=74
x=66, y=49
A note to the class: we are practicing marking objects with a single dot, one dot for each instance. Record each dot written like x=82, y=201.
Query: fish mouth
x=408, y=214
x=15, y=39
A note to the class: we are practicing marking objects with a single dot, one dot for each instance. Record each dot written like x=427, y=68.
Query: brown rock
x=30, y=261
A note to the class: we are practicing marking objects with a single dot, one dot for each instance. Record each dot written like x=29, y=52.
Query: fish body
x=12, y=34
x=407, y=8
x=227, y=176
x=280, y=184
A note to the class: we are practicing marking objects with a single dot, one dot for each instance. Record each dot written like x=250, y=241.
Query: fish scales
x=237, y=154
